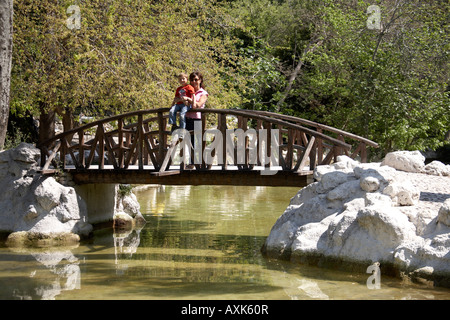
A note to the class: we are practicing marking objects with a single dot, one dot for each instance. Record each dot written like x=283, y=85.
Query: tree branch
x=296, y=71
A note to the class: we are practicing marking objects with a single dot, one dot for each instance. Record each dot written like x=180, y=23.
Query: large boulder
x=37, y=209
x=357, y=214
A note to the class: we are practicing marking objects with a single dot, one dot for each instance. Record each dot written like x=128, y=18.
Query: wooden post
x=170, y=152
x=268, y=127
x=51, y=156
x=121, y=146
x=363, y=152
x=319, y=148
x=145, y=139
x=247, y=144
x=222, y=126
x=161, y=138
x=313, y=155
x=342, y=150
x=101, y=146
x=67, y=147
x=258, y=156
x=81, y=148
x=290, y=149
x=140, y=138
x=306, y=154
x=203, y=142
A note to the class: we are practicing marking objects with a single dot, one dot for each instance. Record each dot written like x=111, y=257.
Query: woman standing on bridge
x=196, y=80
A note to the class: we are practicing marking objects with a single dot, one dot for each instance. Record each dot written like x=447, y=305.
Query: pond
x=199, y=242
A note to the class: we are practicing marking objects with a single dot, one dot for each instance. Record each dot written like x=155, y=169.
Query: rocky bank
x=396, y=212
x=38, y=210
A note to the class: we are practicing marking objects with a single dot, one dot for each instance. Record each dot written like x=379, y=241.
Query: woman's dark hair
x=196, y=74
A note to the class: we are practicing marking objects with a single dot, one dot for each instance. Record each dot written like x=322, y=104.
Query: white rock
x=131, y=205
x=403, y=194
x=281, y=239
x=409, y=161
x=437, y=168
x=367, y=214
x=321, y=170
x=26, y=153
x=345, y=163
x=35, y=204
x=31, y=213
x=371, y=199
x=48, y=193
x=444, y=213
x=16, y=162
x=369, y=184
x=331, y=180
x=307, y=193
x=349, y=189
x=307, y=237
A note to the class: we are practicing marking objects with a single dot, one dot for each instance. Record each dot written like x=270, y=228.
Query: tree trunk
x=6, y=33
x=67, y=120
x=46, y=123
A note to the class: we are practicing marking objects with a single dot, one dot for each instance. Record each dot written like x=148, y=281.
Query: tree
x=6, y=35
x=389, y=84
x=124, y=56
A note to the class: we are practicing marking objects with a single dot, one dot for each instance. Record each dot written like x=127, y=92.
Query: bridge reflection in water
x=232, y=147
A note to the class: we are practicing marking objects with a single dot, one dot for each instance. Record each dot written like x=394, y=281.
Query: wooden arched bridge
x=227, y=147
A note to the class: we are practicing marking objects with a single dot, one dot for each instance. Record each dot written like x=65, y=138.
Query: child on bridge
x=180, y=103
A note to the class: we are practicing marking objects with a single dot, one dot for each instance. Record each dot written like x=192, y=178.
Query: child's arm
x=190, y=101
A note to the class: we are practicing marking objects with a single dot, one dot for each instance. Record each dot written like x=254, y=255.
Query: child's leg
x=173, y=114
x=183, y=112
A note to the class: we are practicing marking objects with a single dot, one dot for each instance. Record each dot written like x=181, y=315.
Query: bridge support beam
x=193, y=177
x=100, y=199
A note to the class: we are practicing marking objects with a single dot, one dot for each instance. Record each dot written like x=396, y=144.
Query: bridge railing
x=359, y=144
x=142, y=140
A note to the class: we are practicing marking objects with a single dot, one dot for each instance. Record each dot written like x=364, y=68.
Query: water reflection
x=198, y=243
x=126, y=244
x=227, y=201
x=57, y=271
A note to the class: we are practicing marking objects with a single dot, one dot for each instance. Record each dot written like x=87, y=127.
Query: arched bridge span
x=228, y=146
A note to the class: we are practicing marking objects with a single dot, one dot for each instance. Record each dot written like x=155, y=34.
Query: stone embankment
x=396, y=213
x=39, y=210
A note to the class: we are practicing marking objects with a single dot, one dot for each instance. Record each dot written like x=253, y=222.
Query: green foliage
x=260, y=78
x=125, y=56
x=14, y=138
x=125, y=190
x=389, y=85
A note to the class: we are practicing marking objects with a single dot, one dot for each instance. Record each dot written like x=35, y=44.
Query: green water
x=198, y=243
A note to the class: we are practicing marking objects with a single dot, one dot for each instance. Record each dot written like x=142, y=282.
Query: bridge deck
x=174, y=176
